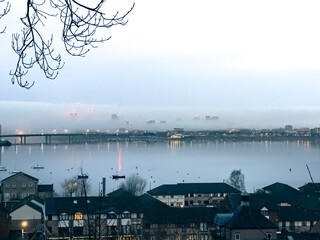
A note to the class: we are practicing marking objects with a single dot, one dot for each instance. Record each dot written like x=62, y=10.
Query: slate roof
x=120, y=193
x=26, y=201
x=162, y=215
x=245, y=217
x=119, y=201
x=310, y=188
x=296, y=214
x=257, y=201
x=298, y=236
x=71, y=205
x=185, y=188
x=23, y=174
x=282, y=188
x=285, y=193
x=45, y=188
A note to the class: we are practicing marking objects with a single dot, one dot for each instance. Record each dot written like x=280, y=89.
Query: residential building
x=4, y=223
x=192, y=194
x=21, y=185
x=311, y=189
x=30, y=211
x=288, y=208
x=109, y=217
x=195, y=223
x=45, y=190
x=18, y=186
x=244, y=223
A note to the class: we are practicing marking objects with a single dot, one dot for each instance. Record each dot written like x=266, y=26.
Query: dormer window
x=63, y=216
x=78, y=216
x=265, y=212
x=125, y=215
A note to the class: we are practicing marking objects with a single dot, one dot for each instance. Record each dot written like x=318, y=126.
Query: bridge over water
x=48, y=138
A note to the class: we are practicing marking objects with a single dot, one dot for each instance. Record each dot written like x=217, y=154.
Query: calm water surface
x=262, y=163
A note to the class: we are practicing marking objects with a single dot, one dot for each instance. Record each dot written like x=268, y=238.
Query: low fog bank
x=35, y=117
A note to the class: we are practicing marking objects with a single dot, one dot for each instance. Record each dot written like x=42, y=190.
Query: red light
x=89, y=110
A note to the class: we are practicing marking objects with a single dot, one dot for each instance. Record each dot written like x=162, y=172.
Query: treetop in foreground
x=81, y=21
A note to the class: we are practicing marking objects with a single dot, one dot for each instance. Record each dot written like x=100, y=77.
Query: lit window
x=78, y=216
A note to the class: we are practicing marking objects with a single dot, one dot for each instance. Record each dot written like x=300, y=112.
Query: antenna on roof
x=309, y=173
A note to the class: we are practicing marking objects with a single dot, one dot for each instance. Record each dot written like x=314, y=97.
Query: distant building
x=210, y=118
x=192, y=194
x=122, y=130
x=196, y=118
x=151, y=122
x=288, y=128
x=115, y=117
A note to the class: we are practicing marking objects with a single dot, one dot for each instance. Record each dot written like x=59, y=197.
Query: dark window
x=111, y=216
x=64, y=232
x=77, y=231
x=125, y=215
x=112, y=230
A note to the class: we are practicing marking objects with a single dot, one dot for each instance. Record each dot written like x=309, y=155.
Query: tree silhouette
x=236, y=180
x=134, y=184
x=81, y=21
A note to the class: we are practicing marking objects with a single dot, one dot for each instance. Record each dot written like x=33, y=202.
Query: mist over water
x=36, y=117
x=262, y=163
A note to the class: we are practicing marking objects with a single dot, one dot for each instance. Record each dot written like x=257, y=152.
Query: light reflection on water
x=262, y=163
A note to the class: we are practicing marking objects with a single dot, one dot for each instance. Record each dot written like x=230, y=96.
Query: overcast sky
x=205, y=53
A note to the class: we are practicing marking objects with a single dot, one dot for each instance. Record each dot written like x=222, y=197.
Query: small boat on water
x=83, y=176
x=5, y=143
x=37, y=167
x=116, y=176
x=2, y=168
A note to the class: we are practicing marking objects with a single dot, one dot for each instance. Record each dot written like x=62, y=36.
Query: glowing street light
x=24, y=224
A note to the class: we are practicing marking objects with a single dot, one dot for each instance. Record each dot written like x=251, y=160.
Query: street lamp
x=24, y=224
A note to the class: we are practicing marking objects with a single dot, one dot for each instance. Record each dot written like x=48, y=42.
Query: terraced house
x=94, y=217
x=192, y=194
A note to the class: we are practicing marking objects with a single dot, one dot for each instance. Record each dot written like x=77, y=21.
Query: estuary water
x=262, y=163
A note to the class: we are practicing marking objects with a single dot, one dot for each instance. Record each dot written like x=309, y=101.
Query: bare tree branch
x=4, y=12
x=79, y=34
